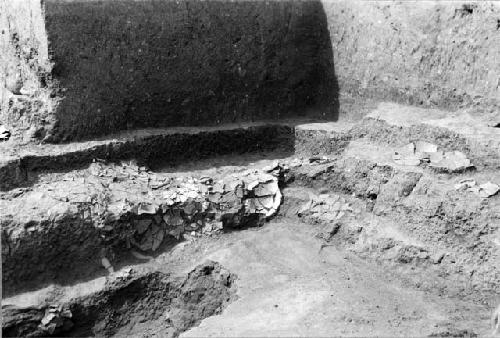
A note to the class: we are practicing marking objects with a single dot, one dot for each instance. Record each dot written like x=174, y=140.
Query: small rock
x=425, y=147
x=140, y=256
x=296, y=162
x=465, y=183
x=437, y=258
x=406, y=156
x=147, y=241
x=4, y=133
x=218, y=187
x=274, y=166
x=436, y=157
x=265, y=202
x=142, y=225
x=14, y=84
x=145, y=208
x=107, y=265
x=252, y=185
x=266, y=189
x=488, y=189
x=452, y=161
x=157, y=240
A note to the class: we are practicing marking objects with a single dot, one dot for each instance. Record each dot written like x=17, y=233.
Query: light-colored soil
x=290, y=286
x=410, y=255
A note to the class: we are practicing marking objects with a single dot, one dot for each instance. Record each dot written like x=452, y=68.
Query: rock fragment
x=452, y=161
x=147, y=207
x=107, y=265
x=488, y=189
x=406, y=156
x=484, y=190
x=319, y=160
x=267, y=189
x=4, y=133
x=326, y=207
x=142, y=225
x=425, y=147
x=414, y=154
x=465, y=184
x=56, y=319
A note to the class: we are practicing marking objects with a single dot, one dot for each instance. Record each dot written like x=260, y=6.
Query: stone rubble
x=484, y=190
x=414, y=154
x=325, y=208
x=184, y=208
x=56, y=319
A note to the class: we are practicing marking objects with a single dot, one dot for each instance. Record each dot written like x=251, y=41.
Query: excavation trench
x=94, y=222
x=351, y=203
x=115, y=215
x=130, y=304
x=108, y=214
x=148, y=87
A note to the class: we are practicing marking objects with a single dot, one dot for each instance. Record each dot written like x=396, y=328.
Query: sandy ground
x=289, y=286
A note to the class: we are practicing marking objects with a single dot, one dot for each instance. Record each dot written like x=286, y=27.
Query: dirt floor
x=368, y=240
x=289, y=284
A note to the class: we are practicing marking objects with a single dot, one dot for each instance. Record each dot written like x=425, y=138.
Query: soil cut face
x=385, y=226
x=131, y=304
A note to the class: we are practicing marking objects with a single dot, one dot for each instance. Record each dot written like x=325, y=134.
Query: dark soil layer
x=148, y=304
x=151, y=150
x=126, y=64
x=133, y=64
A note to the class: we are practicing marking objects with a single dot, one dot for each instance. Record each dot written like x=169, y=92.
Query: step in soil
x=388, y=225
x=21, y=165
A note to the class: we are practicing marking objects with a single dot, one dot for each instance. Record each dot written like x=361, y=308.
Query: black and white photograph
x=250, y=168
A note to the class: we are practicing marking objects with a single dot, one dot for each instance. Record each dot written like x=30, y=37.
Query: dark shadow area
x=66, y=254
x=174, y=152
x=122, y=65
x=63, y=253
x=134, y=304
x=155, y=151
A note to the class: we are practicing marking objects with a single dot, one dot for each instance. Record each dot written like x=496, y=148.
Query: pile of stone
x=183, y=207
x=327, y=208
x=56, y=319
x=421, y=152
x=484, y=190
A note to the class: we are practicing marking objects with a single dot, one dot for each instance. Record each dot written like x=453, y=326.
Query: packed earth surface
x=381, y=226
x=254, y=191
